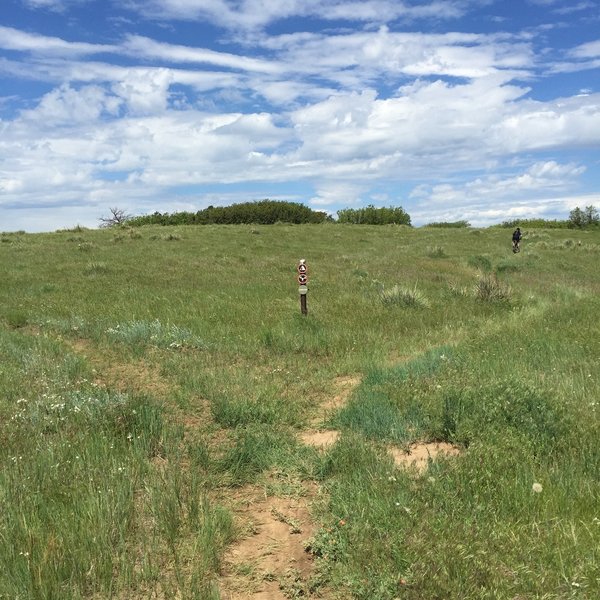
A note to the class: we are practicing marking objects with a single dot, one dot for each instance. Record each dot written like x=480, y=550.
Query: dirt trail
x=416, y=456
x=318, y=436
x=270, y=562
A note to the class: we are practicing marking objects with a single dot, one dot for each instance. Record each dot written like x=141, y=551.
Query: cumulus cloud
x=330, y=193
x=484, y=213
x=485, y=199
x=352, y=113
x=539, y=177
x=68, y=106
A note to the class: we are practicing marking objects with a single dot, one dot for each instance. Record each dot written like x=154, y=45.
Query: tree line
x=263, y=212
x=579, y=218
x=268, y=212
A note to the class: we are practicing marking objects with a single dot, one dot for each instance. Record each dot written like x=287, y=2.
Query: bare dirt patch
x=320, y=439
x=418, y=455
x=270, y=561
x=323, y=438
x=343, y=388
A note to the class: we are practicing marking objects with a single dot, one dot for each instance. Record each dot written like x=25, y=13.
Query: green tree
x=580, y=219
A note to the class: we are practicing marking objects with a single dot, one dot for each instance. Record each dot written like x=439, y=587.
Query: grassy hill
x=158, y=382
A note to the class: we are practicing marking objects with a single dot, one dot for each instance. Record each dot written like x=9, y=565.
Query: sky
x=477, y=110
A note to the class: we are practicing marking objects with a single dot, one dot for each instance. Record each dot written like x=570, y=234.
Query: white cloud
x=256, y=14
x=53, y=5
x=299, y=66
x=145, y=93
x=331, y=193
x=541, y=176
x=67, y=106
x=588, y=50
x=348, y=112
x=148, y=48
x=15, y=39
x=366, y=55
x=483, y=213
x=520, y=195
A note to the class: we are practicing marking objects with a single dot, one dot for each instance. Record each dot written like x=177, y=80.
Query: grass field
x=152, y=380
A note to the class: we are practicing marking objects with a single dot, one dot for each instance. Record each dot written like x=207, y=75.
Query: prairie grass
x=404, y=296
x=137, y=402
x=490, y=289
x=436, y=252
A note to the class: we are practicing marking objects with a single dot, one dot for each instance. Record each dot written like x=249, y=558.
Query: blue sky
x=483, y=110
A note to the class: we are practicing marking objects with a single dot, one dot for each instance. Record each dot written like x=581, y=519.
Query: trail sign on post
x=303, y=283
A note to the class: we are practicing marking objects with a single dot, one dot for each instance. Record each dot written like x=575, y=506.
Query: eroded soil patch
x=343, y=388
x=320, y=439
x=418, y=455
x=323, y=438
x=270, y=561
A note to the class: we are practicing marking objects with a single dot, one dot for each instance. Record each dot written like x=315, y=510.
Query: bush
x=535, y=224
x=394, y=215
x=264, y=212
x=449, y=224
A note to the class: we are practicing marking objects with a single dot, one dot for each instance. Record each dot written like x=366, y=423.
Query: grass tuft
x=436, y=252
x=404, y=296
x=489, y=289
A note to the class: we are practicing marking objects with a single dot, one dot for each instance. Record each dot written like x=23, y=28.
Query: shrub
x=85, y=246
x=394, y=215
x=535, y=224
x=154, y=333
x=264, y=212
x=450, y=224
x=507, y=267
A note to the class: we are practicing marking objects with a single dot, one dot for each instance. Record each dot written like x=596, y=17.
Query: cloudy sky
x=483, y=110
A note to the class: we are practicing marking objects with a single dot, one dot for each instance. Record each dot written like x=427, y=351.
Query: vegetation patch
x=490, y=289
x=154, y=333
x=404, y=296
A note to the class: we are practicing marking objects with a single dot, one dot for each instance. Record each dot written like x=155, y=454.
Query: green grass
x=144, y=383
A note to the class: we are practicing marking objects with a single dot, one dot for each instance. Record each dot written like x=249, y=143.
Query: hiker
x=516, y=239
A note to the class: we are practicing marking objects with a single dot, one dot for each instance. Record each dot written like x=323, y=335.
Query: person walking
x=516, y=240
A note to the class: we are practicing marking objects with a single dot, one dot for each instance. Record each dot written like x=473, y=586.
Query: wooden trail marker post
x=303, y=283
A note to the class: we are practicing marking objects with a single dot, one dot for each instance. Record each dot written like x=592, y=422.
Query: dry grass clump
x=404, y=296
x=461, y=291
x=489, y=289
x=436, y=252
